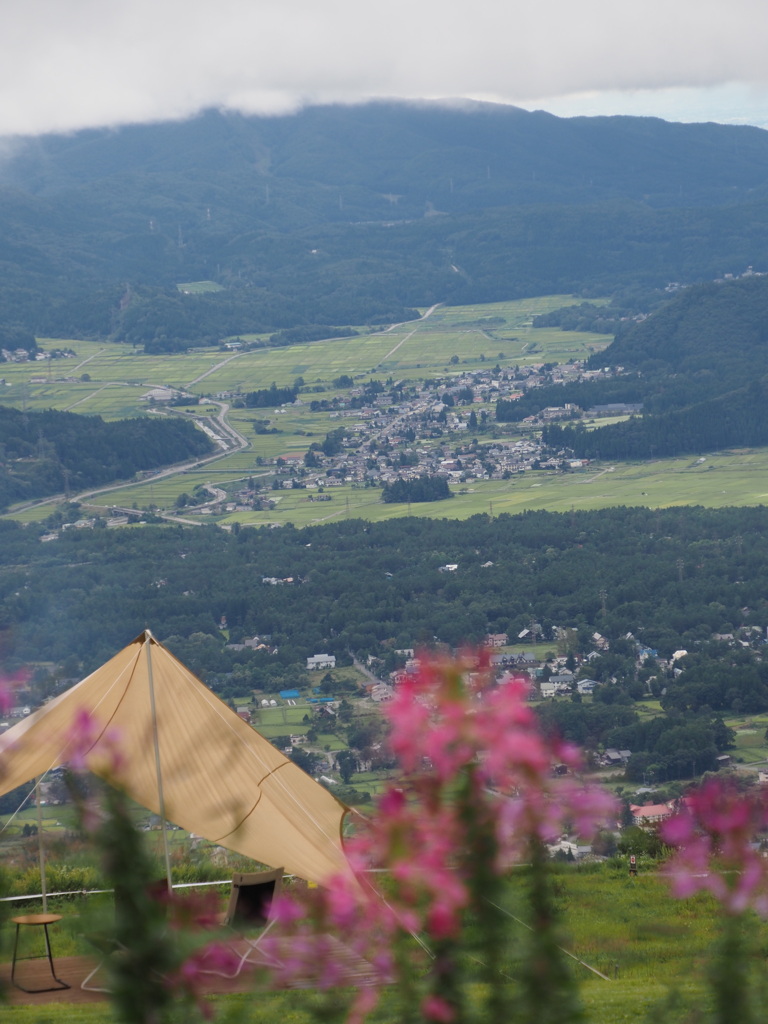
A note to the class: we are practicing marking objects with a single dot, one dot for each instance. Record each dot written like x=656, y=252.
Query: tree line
x=47, y=452
x=671, y=577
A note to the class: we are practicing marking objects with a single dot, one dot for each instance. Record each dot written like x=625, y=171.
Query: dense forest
x=671, y=577
x=44, y=453
x=738, y=419
x=697, y=365
x=422, y=488
x=356, y=215
x=704, y=341
x=676, y=579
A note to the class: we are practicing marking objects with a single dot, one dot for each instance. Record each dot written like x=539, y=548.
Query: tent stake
x=158, y=770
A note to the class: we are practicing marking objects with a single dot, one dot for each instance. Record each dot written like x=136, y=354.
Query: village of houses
x=447, y=429
x=410, y=429
x=550, y=679
x=404, y=429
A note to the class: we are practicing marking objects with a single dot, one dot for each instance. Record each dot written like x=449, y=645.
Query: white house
x=321, y=661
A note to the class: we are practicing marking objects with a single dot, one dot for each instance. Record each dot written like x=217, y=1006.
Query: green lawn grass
x=654, y=949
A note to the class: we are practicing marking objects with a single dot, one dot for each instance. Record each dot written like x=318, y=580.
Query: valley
x=449, y=346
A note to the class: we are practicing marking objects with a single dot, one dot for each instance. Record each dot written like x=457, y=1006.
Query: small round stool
x=36, y=920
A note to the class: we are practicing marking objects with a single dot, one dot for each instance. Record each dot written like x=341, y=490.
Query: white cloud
x=66, y=64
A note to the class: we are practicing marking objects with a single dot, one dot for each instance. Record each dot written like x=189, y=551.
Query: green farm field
x=199, y=287
x=727, y=478
x=751, y=747
x=120, y=378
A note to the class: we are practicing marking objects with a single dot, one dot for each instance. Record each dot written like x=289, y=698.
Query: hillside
x=687, y=336
x=345, y=215
x=699, y=365
x=43, y=453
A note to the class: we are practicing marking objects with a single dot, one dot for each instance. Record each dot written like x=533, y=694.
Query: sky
x=71, y=64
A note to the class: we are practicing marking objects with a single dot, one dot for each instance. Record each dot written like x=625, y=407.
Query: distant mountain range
x=355, y=215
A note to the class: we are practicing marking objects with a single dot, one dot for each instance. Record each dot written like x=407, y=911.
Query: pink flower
x=83, y=736
x=679, y=830
x=286, y=910
x=714, y=834
x=477, y=783
x=442, y=920
x=215, y=957
x=365, y=1001
x=9, y=683
x=437, y=1009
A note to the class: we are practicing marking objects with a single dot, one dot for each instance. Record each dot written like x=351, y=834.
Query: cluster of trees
x=721, y=677
x=585, y=316
x=673, y=747
x=423, y=488
x=44, y=453
x=311, y=332
x=13, y=337
x=630, y=388
x=738, y=419
x=332, y=444
x=269, y=398
x=676, y=745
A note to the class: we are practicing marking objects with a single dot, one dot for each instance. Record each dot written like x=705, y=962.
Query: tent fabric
x=220, y=778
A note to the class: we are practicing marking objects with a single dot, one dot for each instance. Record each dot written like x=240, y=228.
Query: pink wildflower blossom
x=714, y=833
x=365, y=1001
x=189, y=980
x=437, y=1009
x=478, y=775
x=86, y=731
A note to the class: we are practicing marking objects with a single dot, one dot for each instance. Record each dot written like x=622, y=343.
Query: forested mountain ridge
x=44, y=453
x=698, y=365
x=689, y=334
x=405, y=150
x=357, y=214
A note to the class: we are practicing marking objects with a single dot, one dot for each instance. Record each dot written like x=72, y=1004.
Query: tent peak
x=220, y=778
x=145, y=637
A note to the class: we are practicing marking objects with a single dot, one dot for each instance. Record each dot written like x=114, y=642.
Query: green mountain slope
x=700, y=369
x=357, y=214
x=43, y=452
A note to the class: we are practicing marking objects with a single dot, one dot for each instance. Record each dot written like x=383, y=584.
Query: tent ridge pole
x=158, y=769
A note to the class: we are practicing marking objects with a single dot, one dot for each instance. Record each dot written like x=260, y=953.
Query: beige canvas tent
x=188, y=757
